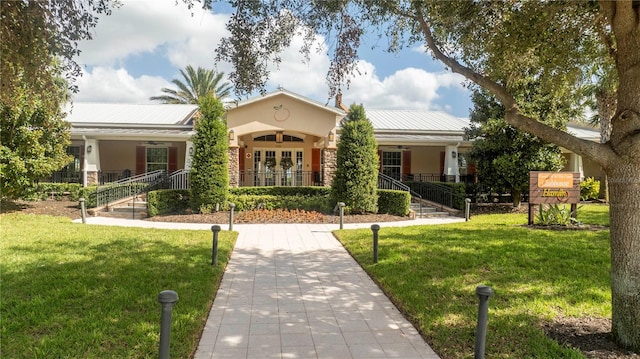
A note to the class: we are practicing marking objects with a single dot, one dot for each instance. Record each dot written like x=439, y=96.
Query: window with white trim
x=392, y=164
x=157, y=158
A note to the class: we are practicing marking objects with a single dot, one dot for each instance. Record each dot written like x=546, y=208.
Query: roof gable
x=289, y=94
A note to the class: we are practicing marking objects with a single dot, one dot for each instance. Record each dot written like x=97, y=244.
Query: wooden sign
x=554, y=187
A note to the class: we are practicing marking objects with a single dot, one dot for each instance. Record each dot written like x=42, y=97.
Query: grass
x=83, y=291
x=431, y=273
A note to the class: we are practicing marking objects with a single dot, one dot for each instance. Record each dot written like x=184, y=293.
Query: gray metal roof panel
x=416, y=120
x=138, y=114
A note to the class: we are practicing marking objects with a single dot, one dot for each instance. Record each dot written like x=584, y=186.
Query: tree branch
x=600, y=153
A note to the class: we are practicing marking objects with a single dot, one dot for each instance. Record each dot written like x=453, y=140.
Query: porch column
x=234, y=167
x=330, y=165
x=575, y=164
x=91, y=165
x=451, y=162
x=188, y=155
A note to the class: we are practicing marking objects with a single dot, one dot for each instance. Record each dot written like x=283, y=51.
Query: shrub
x=210, y=173
x=356, y=179
x=555, y=214
x=167, y=201
x=589, y=189
x=393, y=202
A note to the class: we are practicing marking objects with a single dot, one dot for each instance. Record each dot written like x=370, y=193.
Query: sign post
x=553, y=188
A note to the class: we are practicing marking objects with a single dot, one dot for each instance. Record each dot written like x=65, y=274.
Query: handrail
x=438, y=193
x=124, y=188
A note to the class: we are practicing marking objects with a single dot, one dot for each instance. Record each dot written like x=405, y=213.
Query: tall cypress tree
x=210, y=172
x=356, y=179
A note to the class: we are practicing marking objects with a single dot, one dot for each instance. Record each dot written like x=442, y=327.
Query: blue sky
x=143, y=45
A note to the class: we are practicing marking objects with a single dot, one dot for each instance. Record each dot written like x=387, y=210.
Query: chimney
x=339, y=103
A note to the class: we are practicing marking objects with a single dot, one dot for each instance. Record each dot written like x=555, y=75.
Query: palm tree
x=197, y=83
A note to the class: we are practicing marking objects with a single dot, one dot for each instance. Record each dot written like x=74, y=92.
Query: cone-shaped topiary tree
x=356, y=179
x=210, y=173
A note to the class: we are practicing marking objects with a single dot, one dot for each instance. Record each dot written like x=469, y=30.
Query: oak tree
x=493, y=44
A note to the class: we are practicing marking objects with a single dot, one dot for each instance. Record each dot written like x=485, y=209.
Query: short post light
x=375, y=228
x=483, y=292
x=232, y=207
x=341, y=207
x=214, y=248
x=167, y=298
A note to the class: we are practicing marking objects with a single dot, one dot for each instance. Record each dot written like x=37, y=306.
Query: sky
x=141, y=47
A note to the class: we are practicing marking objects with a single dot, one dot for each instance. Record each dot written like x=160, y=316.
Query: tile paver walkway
x=293, y=291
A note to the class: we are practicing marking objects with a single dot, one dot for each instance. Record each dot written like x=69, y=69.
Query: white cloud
x=162, y=28
x=409, y=88
x=106, y=84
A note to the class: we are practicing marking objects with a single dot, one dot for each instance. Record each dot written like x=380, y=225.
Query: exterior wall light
x=331, y=136
x=89, y=149
x=232, y=135
x=454, y=154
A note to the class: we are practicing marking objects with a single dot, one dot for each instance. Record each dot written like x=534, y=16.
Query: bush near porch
x=248, y=198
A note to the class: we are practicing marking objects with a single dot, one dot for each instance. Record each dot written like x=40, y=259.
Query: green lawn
x=83, y=291
x=431, y=273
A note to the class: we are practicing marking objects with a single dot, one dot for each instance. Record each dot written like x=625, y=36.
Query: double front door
x=277, y=167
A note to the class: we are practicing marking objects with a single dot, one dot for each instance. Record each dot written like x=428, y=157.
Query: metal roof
x=412, y=121
x=114, y=114
x=584, y=132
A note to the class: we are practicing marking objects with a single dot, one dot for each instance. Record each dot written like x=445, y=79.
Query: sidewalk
x=293, y=291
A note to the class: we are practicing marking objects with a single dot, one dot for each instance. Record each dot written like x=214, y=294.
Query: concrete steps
x=426, y=211
x=128, y=209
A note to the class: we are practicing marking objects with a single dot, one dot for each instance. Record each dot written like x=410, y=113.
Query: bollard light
x=214, y=248
x=83, y=211
x=232, y=206
x=375, y=228
x=483, y=292
x=341, y=206
x=467, y=209
x=167, y=298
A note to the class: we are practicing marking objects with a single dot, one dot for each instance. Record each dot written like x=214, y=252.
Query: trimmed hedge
x=249, y=198
x=394, y=202
x=46, y=190
x=167, y=201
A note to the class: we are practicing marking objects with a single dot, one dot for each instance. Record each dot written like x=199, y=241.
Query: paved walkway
x=293, y=291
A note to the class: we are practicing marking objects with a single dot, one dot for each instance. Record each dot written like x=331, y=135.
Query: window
x=157, y=159
x=272, y=138
x=391, y=164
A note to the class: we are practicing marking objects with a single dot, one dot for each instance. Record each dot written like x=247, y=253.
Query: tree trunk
x=625, y=254
x=516, y=196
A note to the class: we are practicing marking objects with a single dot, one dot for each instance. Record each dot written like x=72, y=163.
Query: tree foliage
x=495, y=44
x=209, y=177
x=504, y=156
x=356, y=179
x=197, y=84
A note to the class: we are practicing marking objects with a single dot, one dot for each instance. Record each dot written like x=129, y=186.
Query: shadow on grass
x=431, y=273
x=92, y=292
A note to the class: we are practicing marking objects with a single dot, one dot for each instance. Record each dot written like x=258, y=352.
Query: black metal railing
x=124, y=188
x=434, y=177
x=388, y=182
x=438, y=193
x=251, y=178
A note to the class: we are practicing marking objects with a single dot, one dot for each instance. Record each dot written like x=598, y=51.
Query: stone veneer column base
x=92, y=178
x=330, y=166
x=234, y=167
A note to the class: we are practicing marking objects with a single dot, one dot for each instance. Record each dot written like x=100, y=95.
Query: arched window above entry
x=274, y=138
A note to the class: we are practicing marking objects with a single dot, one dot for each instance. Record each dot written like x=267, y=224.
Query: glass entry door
x=276, y=167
